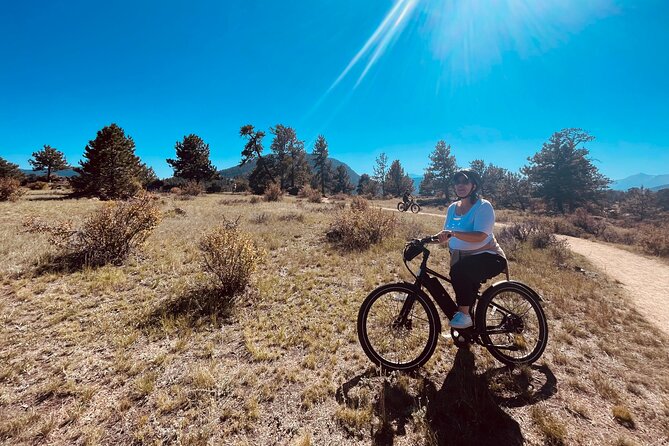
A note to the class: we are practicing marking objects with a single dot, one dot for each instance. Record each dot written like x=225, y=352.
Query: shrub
x=175, y=190
x=230, y=256
x=273, y=193
x=192, y=188
x=655, y=240
x=10, y=189
x=108, y=236
x=582, y=219
x=38, y=185
x=359, y=204
x=355, y=229
x=312, y=195
x=254, y=199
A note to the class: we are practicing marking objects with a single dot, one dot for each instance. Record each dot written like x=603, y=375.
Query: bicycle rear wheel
x=401, y=207
x=391, y=339
x=512, y=324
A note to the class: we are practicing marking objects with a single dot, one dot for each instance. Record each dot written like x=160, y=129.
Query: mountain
x=246, y=169
x=60, y=173
x=417, y=179
x=641, y=179
x=656, y=188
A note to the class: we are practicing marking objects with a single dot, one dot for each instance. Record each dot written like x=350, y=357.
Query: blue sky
x=492, y=78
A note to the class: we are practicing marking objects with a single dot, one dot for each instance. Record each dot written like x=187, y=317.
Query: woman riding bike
x=475, y=254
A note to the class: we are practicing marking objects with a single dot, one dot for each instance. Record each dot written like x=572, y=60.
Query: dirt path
x=645, y=280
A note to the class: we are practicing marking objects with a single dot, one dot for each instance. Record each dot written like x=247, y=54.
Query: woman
x=475, y=254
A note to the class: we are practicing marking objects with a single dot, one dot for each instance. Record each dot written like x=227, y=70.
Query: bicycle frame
x=427, y=278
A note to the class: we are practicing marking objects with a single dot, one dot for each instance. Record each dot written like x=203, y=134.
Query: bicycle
x=403, y=207
x=398, y=324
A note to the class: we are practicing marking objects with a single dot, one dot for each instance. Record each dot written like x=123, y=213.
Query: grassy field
x=135, y=354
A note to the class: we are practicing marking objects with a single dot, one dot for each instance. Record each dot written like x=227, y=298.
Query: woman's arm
x=472, y=237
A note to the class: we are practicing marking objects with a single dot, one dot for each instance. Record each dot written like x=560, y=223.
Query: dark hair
x=473, y=178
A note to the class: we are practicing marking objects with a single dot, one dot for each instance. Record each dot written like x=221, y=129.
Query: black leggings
x=470, y=271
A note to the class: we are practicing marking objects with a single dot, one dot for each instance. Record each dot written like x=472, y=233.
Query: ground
x=133, y=354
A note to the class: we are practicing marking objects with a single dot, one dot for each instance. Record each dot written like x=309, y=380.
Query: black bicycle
x=398, y=324
x=411, y=204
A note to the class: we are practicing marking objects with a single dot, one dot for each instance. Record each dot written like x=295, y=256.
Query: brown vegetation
x=104, y=356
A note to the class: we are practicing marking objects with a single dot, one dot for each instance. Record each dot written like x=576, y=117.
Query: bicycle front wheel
x=512, y=324
x=398, y=327
x=415, y=208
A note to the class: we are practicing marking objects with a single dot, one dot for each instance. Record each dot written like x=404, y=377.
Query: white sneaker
x=461, y=320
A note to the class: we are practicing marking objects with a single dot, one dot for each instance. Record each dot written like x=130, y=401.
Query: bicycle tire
x=379, y=337
x=519, y=334
x=401, y=207
x=415, y=208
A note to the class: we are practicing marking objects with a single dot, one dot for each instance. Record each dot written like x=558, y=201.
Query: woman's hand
x=444, y=235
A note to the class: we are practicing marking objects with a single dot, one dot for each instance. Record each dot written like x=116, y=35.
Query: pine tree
x=397, y=182
x=50, y=159
x=284, y=137
x=367, y=185
x=9, y=170
x=342, y=182
x=562, y=174
x=192, y=162
x=322, y=165
x=263, y=173
x=441, y=169
x=381, y=171
x=111, y=169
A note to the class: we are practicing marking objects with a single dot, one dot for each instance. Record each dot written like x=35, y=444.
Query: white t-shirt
x=480, y=218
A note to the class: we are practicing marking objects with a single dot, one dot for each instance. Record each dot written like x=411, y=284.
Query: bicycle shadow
x=467, y=408
x=464, y=411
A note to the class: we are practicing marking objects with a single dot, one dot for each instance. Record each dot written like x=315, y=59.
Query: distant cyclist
x=475, y=254
x=407, y=198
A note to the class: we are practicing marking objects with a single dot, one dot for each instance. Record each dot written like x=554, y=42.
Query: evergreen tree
x=427, y=185
x=342, y=182
x=50, y=159
x=441, y=169
x=299, y=172
x=517, y=189
x=493, y=181
x=284, y=138
x=192, y=162
x=397, y=182
x=111, y=169
x=9, y=170
x=562, y=175
x=367, y=185
x=640, y=203
x=322, y=165
x=381, y=171
x=263, y=173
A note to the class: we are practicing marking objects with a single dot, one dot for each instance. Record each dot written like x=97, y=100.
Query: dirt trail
x=645, y=280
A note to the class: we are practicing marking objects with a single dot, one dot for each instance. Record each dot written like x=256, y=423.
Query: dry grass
x=106, y=356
